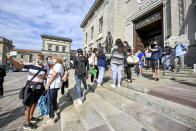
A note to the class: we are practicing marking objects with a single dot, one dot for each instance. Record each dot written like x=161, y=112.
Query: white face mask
x=53, y=61
x=38, y=61
x=50, y=62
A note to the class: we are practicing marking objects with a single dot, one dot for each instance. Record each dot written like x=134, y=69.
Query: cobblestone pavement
x=11, y=107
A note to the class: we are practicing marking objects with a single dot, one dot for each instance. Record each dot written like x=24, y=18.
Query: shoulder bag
x=22, y=91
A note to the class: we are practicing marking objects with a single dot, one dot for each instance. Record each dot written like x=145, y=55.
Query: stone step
x=150, y=119
x=182, y=94
x=183, y=114
x=70, y=120
x=115, y=118
x=91, y=120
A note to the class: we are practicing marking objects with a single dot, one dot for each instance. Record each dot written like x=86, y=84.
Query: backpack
x=80, y=69
x=2, y=73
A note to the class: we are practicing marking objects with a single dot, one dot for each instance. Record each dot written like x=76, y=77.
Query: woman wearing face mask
x=54, y=82
x=35, y=87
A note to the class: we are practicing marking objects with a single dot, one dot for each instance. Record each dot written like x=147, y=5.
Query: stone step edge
x=139, y=114
x=166, y=110
x=109, y=120
x=77, y=106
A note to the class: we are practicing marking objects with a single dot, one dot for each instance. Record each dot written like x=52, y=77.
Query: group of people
x=49, y=77
x=53, y=75
x=171, y=58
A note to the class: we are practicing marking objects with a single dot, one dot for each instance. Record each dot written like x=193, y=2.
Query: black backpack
x=80, y=68
x=2, y=73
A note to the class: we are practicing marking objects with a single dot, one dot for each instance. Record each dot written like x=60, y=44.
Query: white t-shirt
x=91, y=59
x=57, y=83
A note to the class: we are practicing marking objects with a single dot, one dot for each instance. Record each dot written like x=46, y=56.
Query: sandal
x=99, y=86
x=129, y=81
x=49, y=123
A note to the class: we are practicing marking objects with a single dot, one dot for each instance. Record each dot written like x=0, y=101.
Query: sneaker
x=33, y=119
x=157, y=79
x=118, y=85
x=139, y=76
x=113, y=85
x=152, y=78
x=79, y=101
x=29, y=126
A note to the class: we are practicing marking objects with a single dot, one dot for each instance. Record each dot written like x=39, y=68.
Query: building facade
x=140, y=22
x=5, y=47
x=53, y=45
x=26, y=55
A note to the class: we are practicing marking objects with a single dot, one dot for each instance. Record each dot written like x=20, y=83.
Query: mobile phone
x=13, y=53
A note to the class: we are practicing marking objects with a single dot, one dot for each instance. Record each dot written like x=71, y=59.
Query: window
x=30, y=58
x=101, y=24
x=86, y=38
x=49, y=47
x=92, y=31
x=22, y=55
x=64, y=49
x=57, y=48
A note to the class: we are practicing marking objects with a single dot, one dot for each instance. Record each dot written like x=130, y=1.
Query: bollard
x=194, y=69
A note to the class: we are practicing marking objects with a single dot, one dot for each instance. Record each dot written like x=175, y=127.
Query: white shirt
x=57, y=82
x=91, y=59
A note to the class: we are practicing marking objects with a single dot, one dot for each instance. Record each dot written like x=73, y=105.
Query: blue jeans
x=116, y=72
x=101, y=74
x=140, y=64
x=52, y=101
x=78, y=85
x=166, y=61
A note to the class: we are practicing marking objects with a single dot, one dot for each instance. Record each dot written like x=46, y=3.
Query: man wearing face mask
x=156, y=55
x=34, y=87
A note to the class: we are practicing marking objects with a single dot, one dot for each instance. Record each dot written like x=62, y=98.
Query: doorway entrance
x=149, y=29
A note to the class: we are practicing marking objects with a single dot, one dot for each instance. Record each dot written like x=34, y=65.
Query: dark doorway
x=148, y=29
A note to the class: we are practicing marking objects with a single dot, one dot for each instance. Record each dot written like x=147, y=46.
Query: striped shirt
x=33, y=69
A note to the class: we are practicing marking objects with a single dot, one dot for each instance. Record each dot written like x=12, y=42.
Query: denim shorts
x=140, y=64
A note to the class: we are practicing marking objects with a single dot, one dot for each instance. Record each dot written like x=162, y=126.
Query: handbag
x=42, y=105
x=132, y=59
x=22, y=91
x=92, y=71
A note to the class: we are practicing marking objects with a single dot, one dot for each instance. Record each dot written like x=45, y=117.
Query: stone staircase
x=129, y=108
x=138, y=106
x=187, y=76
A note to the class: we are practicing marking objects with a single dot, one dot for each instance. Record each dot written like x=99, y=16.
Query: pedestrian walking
x=117, y=61
x=156, y=55
x=2, y=75
x=54, y=83
x=128, y=66
x=141, y=62
x=93, y=63
x=81, y=73
x=65, y=79
x=101, y=63
x=34, y=87
x=180, y=50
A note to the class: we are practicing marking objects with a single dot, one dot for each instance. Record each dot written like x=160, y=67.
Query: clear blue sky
x=22, y=21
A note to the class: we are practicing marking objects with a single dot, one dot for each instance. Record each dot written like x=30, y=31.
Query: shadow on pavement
x=184, y=82
x=12, y=90
x=8, y=117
